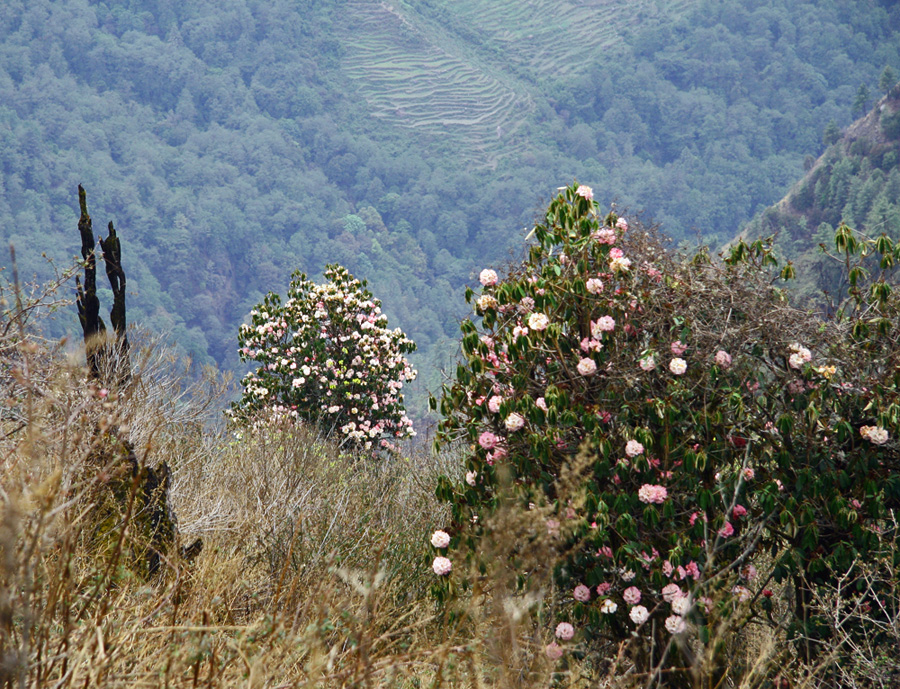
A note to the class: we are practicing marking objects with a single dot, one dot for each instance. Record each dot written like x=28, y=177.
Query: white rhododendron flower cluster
x=874, y=434
x=800, y=355
x=327, y=356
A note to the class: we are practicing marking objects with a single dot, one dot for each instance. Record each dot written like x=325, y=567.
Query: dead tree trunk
x=87, y=301
x=108, y=364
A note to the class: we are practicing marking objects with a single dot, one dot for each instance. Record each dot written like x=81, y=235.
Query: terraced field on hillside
x=412, y=81
x=461, y=73
x=553, y=38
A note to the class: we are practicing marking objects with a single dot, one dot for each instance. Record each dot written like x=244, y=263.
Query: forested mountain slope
x=234, y=141
x=855, y=181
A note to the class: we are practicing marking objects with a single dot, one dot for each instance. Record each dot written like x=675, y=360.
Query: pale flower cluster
x=564, y=631
x=441, y=566
x=538, y=321
x=440, y=539
x=585, y=192
x=874, y=434
x=678, y=366
x=652, y=494
x=648, y=363
x=633, y=448
x=488, y=277
x=800, y=355
x=587, y=367
x=514, y=422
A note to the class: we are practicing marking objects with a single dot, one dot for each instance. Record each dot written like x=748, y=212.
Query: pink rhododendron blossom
x=514, y=422
x=553, y=651
x=678, y=366
x=587, y=367
x=723, y=359
x=743, y=593
x=671, y=591
x=604, y=324
x=693, y=570
x=739, y=511
x=749, y=474
x=627, y=575
x=622, y=224
x=585, y=192
x=564, y=631
x=749, y=572
x=633, y=448
x=487, y=440
x=540, y=403
x=678, y=348
x=440, y=539
x=594, y=286
x=603, y=588
x=604, y=236
x=648, y=363
x=652, y=494
x=605, y=551
x=680, y=606
x=616, y=253
x=667, y=568
x=639, y=614
x=552, y=527
x=494, y=403
x=488, y=277
x=538, y=321
x=581, y=593
x=632, y=595
x=675, y=624
x=471, y=476
x=442, y=566
x=727, y=530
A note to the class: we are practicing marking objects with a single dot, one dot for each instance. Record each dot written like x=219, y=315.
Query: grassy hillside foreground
x=315, y=571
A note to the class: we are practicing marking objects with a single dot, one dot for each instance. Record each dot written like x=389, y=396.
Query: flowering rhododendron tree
x=723, y=425
x=327, y=356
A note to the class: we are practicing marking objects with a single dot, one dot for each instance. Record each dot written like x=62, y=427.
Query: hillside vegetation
x=235, y=142
x=856, y=181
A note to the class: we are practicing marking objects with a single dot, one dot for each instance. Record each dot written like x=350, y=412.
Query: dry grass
x=315, y=570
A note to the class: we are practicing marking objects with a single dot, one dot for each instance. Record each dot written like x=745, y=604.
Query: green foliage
x=326, y=356
x=887, y=80
x=860, y=106
x=709, y=426
x=832, y=133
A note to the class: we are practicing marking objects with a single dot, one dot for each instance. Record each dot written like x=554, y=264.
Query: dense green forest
x=234, y=141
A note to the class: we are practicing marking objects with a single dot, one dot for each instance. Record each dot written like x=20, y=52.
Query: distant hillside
x=467, y=74
x=855, y=181
x=235, y=141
